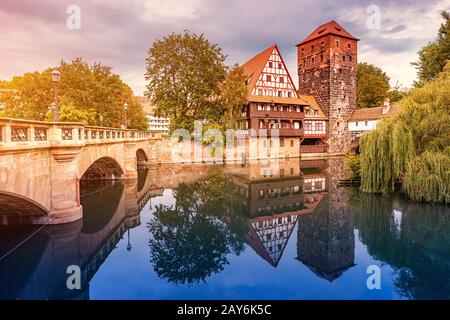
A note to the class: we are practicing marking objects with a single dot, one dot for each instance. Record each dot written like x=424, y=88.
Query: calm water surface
x=233, y=232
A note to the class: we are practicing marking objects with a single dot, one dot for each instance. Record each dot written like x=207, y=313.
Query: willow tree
x=412, y=147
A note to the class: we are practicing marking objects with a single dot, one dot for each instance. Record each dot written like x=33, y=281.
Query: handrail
x=20, y=133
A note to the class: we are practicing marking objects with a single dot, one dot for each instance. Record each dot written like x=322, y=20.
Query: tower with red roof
x=327, y=61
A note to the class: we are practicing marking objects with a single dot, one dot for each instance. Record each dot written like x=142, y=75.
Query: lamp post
x=101, y=120
x=56, y=76
x=129, y=244
x=125, y=108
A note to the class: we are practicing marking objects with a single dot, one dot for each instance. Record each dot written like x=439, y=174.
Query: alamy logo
x=73, y=21
x=74, y=280
x=374, y=19
x=374, y=280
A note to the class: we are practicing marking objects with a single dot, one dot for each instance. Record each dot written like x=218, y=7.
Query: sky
x=36, y=35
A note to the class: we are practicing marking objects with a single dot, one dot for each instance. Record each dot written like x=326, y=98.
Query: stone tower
x=327, y=61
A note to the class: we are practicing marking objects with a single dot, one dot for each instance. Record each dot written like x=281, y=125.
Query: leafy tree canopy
x=85, y=93
x=434, y=56
x=372, y=86
x=188, y=80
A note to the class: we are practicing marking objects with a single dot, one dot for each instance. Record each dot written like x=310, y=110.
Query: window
x=270, y=64
x=303, y=51
x=281, y=79
x=319, y=126
x=343, y=58
x=292, y=145
x=290, y=109
x=312, y=60
x=366, y=123
x=262, y=125
x=322, y=43
x=280, y=93
x=289, y=94
x=297, y=109
x=270, y=93
x=337, y=43
x=280, y=66
x=350, y=58
x=281, y=142
x=275, y=108
x=316, y=113
x=356, y=124
x=312, y=48
x=349, y=45
x=260, y=92
x=321, y=57
x=268, y=78
x=260, y=107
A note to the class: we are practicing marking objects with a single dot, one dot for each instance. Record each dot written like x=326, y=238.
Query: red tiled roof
x=331, y=27
x=253, y=67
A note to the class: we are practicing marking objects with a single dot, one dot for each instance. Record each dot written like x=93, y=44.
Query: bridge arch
x=141, y=157
x=19, y=207
x=104, y=168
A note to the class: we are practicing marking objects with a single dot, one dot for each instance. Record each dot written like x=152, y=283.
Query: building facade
x=273, y=102
x=327, y=61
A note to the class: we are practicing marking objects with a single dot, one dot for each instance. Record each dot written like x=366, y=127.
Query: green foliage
x=411, y=147
x=434, y=56
x=354, y=165
x=234, y=95
x=85, y=93
x=190, y=241
x=188, y=80
x=372, y=86
x=400, y=238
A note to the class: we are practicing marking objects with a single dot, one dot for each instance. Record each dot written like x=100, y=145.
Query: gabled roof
x=371, y=113
x=312, y=104
x=253, y=69
x=331, y=27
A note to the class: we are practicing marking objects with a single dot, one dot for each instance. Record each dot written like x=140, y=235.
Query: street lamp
x=125, y=108
x=101, y=120
x=56, y=76
x=129, y=244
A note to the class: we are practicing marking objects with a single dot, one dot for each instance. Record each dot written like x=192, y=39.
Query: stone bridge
x=42, y=164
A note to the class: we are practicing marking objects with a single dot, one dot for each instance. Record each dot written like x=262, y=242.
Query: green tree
x=412, y=147
x=184, y=74
x=372, y=86
x=85, y=93
x=434, y=56
x=234, y=95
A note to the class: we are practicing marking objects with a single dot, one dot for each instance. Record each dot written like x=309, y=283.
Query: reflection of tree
x=417, y=246
x=192, y=240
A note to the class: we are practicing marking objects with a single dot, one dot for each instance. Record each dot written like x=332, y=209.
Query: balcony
x=313, y=148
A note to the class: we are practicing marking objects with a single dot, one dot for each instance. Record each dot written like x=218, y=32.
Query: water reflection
x=216, y=216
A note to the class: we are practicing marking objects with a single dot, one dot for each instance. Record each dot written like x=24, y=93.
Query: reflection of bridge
x=42, y=163
x=42, y=271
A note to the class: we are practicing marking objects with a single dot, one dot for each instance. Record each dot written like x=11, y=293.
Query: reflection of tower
x=325, y=240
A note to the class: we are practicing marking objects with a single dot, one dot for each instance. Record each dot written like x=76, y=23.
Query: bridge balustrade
x=19, y=134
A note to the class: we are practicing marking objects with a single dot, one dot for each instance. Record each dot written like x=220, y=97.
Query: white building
x=158, y=124
x=363, y=120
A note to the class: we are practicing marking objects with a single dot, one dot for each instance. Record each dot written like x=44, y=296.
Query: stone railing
x=25, y=134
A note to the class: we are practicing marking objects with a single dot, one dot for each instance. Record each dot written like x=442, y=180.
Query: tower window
x=337, y=43
x=321, y=57
x=343, y=58
x=312, y=48
x=349, y=45
x=350, y=58
x=322, y=43
x=303, y=51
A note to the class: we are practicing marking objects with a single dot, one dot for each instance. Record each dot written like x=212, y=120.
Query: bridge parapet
x=16, y=134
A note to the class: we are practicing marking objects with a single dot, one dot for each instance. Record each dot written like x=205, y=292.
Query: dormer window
x=303, y=51
x=312, y=48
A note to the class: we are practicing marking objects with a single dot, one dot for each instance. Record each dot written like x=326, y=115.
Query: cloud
x=118, y=33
